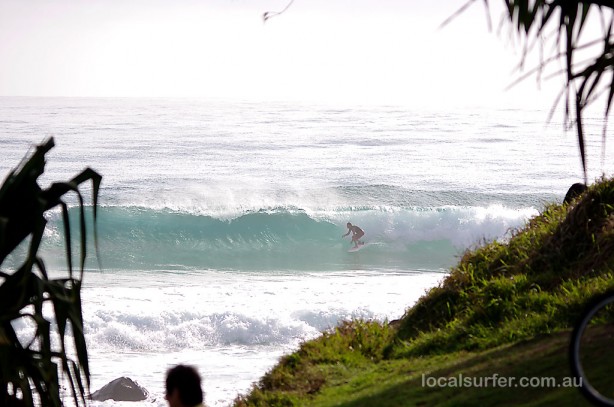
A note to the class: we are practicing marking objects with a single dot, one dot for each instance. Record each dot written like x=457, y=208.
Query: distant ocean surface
x=220, y=222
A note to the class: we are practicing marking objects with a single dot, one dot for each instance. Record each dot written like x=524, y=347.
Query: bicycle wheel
x=590, y=350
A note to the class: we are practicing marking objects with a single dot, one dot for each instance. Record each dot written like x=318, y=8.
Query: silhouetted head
x=574, y=191
x=183, y=387
x=349, y=225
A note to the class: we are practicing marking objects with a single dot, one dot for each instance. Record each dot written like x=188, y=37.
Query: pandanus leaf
x=34, y=368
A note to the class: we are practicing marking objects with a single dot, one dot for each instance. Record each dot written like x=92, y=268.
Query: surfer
x=357, y=233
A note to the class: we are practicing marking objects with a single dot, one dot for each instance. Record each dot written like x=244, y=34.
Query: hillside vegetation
x=506, y=309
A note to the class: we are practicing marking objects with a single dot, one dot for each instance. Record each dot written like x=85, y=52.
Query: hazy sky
x=363, y=51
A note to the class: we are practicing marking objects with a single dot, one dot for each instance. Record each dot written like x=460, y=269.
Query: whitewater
x=220, y=223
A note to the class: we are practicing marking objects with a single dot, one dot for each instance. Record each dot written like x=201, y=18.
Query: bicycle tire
x=587, y=389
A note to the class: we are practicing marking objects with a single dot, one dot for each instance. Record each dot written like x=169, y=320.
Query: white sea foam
x=215, y=319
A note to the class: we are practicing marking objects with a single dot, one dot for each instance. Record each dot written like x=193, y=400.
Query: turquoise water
x=139, y=238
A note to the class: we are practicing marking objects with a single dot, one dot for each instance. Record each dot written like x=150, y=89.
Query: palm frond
x=585, y=81
x=32, y=369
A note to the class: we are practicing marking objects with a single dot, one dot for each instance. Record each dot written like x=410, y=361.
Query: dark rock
x=122, y=389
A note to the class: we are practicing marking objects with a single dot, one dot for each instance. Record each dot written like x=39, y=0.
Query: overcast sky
x=378, y=51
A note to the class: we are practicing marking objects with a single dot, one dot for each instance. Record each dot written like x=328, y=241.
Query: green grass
x=399, y=382
x=506, y=308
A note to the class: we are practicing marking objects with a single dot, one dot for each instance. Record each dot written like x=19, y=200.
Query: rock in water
x=122, y=389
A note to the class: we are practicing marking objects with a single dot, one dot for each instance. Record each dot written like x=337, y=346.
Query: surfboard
x=355, y=249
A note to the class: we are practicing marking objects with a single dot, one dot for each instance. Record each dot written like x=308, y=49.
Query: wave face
x=288, y=238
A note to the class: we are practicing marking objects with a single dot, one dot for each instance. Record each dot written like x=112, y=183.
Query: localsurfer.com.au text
x=496, y=380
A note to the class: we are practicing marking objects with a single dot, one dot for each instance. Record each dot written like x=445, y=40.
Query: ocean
x=221, y=223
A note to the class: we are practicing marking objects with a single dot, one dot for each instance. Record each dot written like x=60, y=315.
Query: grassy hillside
x=506, y=308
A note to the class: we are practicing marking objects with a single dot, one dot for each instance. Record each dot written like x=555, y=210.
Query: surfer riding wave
x=357, y=233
